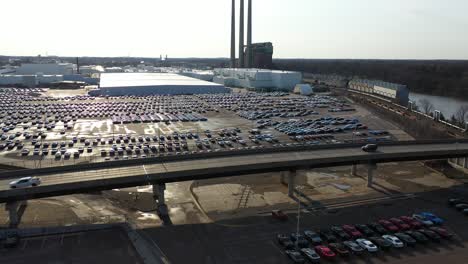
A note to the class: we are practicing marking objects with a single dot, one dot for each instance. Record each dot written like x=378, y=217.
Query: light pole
x=298, y=218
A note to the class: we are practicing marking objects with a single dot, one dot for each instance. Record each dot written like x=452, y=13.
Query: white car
x=366, y=244
x=25, y=182
x=396, y=242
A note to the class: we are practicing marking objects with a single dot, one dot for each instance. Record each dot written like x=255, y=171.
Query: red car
x=442, y=232
x=411, y=221
x=278, y=214
x=389, y=226
x=400, y=224
x=352, y=231
x=325, y=252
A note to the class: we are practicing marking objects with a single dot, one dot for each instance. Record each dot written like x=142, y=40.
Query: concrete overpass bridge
x=159, y=171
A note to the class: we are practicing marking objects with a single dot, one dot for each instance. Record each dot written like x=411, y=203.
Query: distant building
x=114, y=69
x=46, y=68
x=257, y=78
x=398, y=93
x=120, y=84
x=303, y=89
x=262, y=55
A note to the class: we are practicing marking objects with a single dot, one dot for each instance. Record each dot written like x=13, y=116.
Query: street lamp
x=298, y=217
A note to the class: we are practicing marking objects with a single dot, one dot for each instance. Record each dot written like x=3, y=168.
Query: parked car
x=407, y=239
x=353, y=247
x=285, y=241
x=310, y=254
x=381, y=242
x=413, y=223
x=418, y=236
x=301, y=241
x=389, y=225
x=396, y=242
x=327, y=236
x=280, y=215
x=400, y=224
x=352, y=231
x=433, y=218
x=339, y=249
x=364, y=229
x=313, y=237
x=444, y=233
x=325, y=252
x=340, y=232
x=11, y=240
x=423, y=220
x=366, y=244
x=455, y=201
x=430, y=234
x=295, y=256
x=378, y=228
x=25, y=182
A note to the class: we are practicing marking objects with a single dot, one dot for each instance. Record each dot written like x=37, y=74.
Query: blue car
x=432, y=217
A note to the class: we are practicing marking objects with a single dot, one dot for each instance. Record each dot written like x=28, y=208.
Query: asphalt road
x=219, y=167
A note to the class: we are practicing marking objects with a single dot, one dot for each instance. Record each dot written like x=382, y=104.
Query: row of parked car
x=460, y=204
x=347, y=240
x=324, y=125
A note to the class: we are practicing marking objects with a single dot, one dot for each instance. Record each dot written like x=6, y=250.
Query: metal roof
x=114, y=80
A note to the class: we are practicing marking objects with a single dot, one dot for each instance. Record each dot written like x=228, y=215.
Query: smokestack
x=233, y=35
x=77, y=65
x=241, y=35
x=249, y=35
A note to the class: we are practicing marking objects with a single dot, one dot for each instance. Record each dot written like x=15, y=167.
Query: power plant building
x=141, y=84
x=257, y=78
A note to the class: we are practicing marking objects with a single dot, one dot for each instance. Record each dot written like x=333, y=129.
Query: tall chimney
x=233, y=35
x=241, y=35
x=249, y=35
x=77, y=65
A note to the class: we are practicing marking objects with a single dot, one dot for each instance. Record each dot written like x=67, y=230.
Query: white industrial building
x=119, y=84
x=257, y=78
x=396, y=92
x=46, y=69
x=29, y=80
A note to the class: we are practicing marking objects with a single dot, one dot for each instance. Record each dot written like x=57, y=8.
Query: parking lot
x=253, y=239
x=107, y=246
x=40, y=130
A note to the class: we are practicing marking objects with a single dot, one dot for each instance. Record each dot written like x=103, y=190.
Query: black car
x=365, y=230
x=381, y=242
x=370, y=148
x=284, y=241
x=11, y=240
x=328, y=236
x=407, y=239
x=313, y=237
x=461, y=206
x=430, y=234
x=301, y=241
x=417, y=236
x=353, y=247
x=339, y=249
x=378, y=228
x=339, y=232
x=455, y=201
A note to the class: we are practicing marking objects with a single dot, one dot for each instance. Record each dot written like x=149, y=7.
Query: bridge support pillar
x=291, y=182
x=15, y=211
x=465, y=164
x=283, y=177
x=354, y=170
x=158, y=194
x=371, y=168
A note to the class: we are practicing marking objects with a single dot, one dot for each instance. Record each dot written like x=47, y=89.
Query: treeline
x=444, y=78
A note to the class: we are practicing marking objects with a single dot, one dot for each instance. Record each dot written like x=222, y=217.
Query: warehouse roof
x=110, y=80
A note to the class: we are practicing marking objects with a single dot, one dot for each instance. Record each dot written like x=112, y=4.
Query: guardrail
x=161, y=159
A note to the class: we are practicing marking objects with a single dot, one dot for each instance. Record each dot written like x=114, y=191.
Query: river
x=447, y=105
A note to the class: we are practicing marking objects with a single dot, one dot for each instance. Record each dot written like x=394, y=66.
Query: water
x=447, y=105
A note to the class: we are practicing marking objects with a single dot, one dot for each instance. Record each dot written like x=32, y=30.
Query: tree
x=461, y=115
x=426, y=106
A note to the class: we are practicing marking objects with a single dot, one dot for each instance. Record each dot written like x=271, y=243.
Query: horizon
x=359, y=29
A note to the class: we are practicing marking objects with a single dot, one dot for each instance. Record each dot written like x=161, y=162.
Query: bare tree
x=461, y=115
x=426, y=106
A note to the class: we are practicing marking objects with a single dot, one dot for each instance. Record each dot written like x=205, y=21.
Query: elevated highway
x=84, y=180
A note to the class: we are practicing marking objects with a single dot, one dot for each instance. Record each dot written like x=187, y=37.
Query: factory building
x=257, y=78
x=398, y=93
x=262, y=55
x=141, y=84
x=46, y=69
x=303, y=89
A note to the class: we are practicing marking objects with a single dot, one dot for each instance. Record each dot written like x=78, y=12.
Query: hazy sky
x=394, y=29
